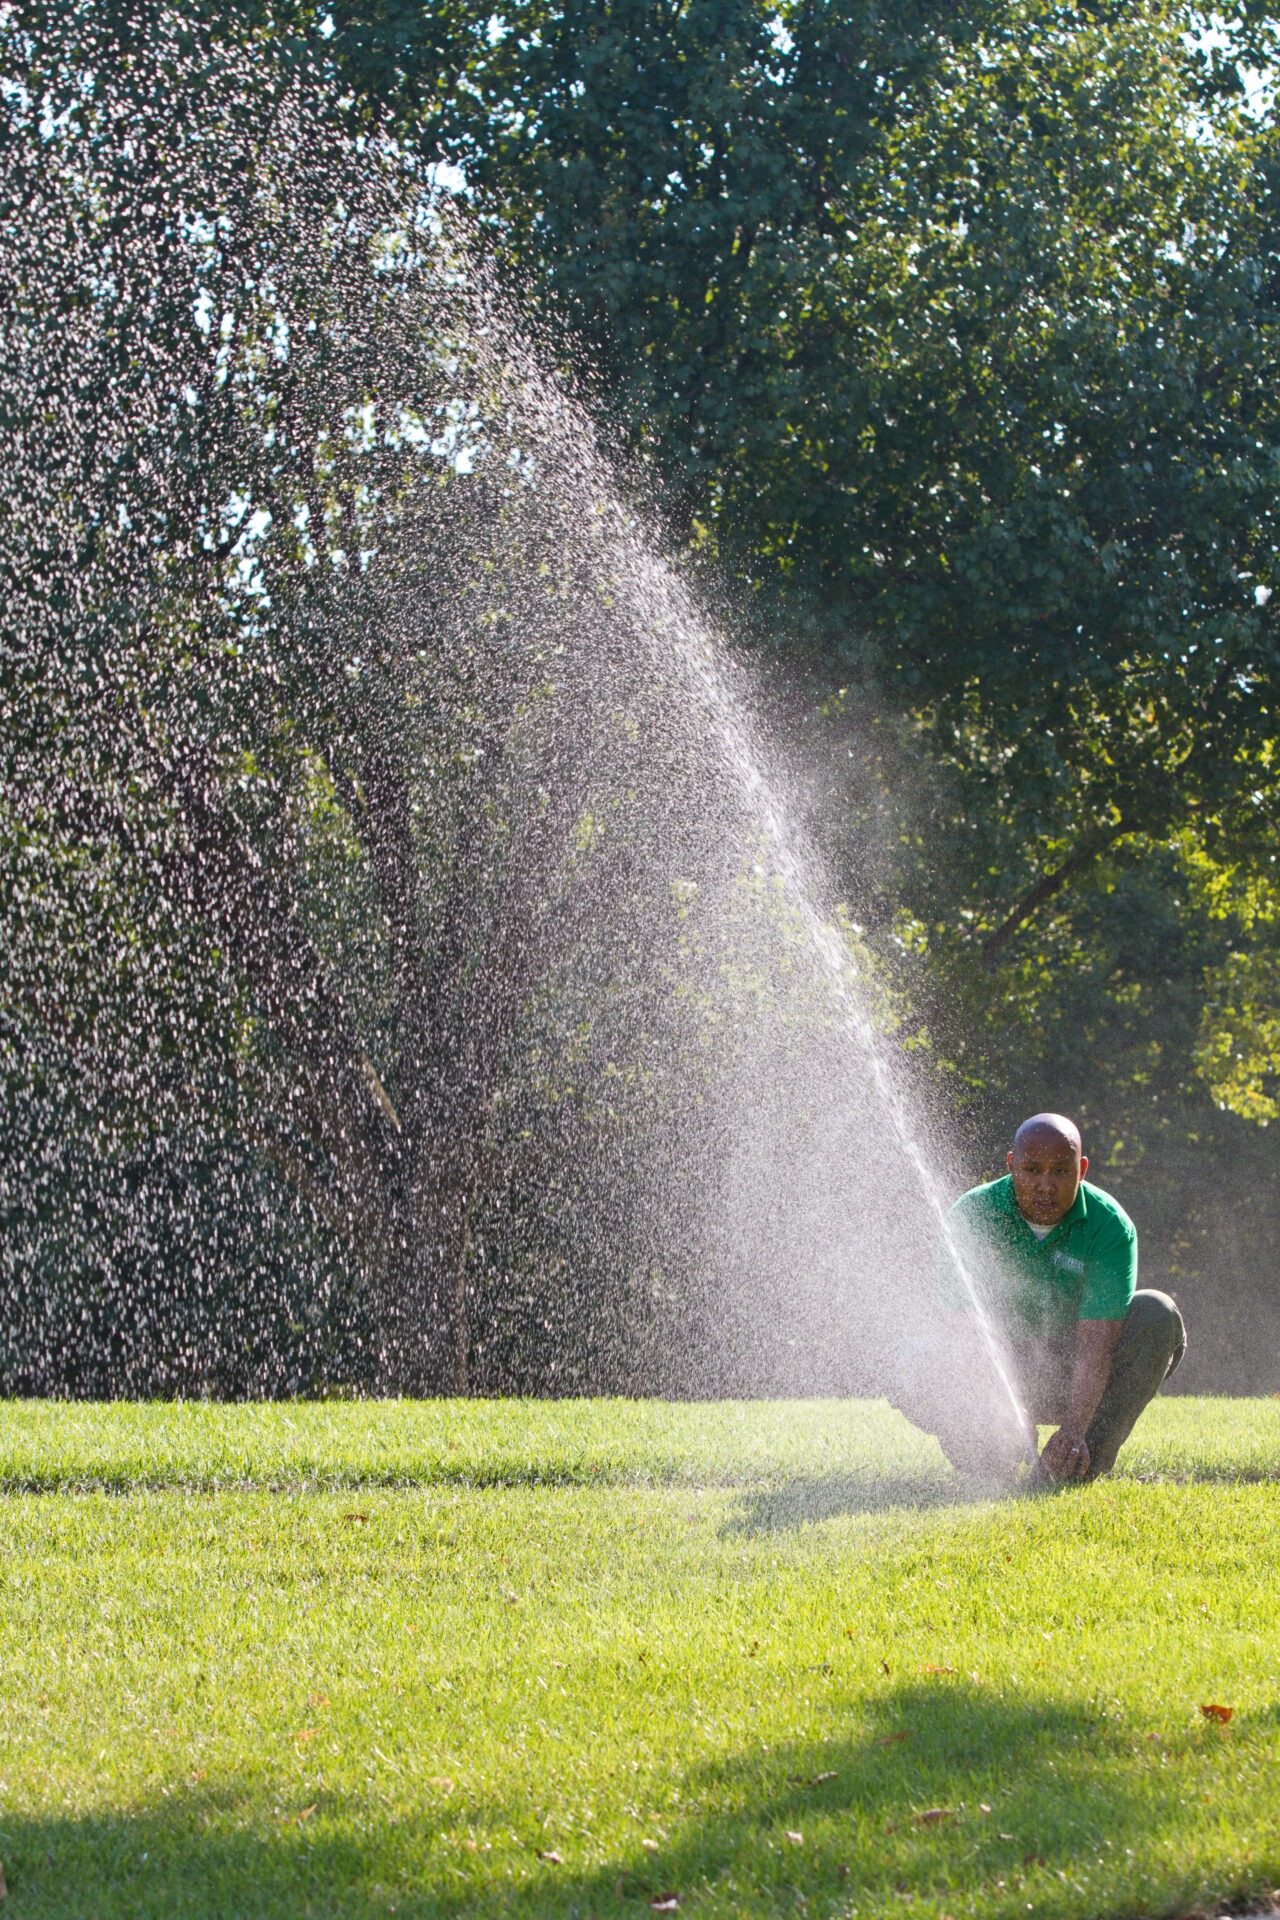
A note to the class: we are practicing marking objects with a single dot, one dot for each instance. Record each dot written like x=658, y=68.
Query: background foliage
x=952, y=335
x=947, y=338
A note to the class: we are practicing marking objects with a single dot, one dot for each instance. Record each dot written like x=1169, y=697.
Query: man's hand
x=1065, y=1454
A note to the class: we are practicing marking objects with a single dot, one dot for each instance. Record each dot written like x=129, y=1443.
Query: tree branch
x=1093, y=843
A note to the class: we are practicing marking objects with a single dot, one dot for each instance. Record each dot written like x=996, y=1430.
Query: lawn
x=584, y=1657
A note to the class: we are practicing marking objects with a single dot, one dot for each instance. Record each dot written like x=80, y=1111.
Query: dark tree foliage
x=952, y=334
x=320, y=732
x=949, y=338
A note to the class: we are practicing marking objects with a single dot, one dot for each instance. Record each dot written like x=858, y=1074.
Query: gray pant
x=971, y=1411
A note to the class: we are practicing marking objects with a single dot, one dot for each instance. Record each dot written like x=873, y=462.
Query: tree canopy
x=951, y=334
x=945, y=340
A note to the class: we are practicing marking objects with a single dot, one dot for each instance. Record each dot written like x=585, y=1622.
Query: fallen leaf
x=1215, y=1712
x=1033, y=1860
x=356, y=1519
x=849, y=1634
x=306, y=1733
x=816, y=1779
x=932, y=1815
x=441, y=1782
x=651, y=1846
x=884, y=1666
x=666, y=1903
x=308, y=1811
x=892, y=1739
x=796, y=1839
x=552, y=1858
x=937, y=1669
x=317, y=1699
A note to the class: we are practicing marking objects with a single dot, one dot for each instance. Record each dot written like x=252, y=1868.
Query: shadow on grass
x=803, y=1501
x=313, y=1478
x=308, y=1479
x=945, y=1793
x=1198, y=1476
x=806, y=1501
x=773, y=1502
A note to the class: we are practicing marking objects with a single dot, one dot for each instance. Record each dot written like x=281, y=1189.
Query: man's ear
x=1084, y=1165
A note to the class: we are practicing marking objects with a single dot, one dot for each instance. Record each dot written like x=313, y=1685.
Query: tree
x=953, y=339
x=319, y=733
x=950, y=334
x=948, y=338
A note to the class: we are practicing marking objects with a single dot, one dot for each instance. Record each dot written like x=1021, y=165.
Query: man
x=1043, y=1324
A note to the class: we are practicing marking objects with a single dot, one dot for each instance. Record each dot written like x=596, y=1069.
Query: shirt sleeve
x=1111, y=1273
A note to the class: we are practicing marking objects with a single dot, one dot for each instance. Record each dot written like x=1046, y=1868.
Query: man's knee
x=920, y=1374
x=1154, y=1334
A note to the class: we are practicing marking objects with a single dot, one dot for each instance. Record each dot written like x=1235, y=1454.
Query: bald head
x=1046, y=1166
x=1050, y=1127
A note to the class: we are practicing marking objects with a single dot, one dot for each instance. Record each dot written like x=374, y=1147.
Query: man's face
x=1047, y=1172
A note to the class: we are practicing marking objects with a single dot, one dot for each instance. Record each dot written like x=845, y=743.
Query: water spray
x=827, y=944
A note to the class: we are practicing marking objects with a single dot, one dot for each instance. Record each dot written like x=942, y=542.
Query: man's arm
x=1066, y=1455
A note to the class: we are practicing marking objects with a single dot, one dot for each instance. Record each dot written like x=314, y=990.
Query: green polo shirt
x=1085, y=1268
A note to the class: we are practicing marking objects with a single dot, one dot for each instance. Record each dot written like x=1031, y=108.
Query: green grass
x=566, y=1658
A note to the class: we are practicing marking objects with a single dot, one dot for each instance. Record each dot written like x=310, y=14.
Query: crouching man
x=1067, y=1340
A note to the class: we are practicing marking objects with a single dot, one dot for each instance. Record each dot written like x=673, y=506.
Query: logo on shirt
x=1066, y=1260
